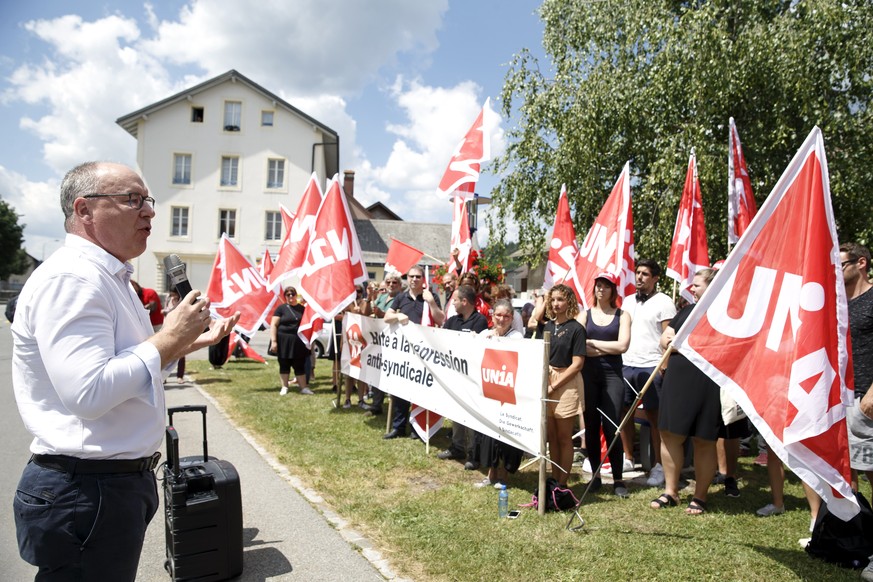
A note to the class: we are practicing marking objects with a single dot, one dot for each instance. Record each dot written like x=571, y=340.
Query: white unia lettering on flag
x=609, y=244
x=298, y=230
x=333, y=263
x=492, y=385
x=563, y=247
x=235, y=284
x=772, y=329
x=689, y=251
x=462, y=172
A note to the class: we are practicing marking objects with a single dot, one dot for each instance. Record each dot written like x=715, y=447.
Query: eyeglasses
x=849, y=262
x=134, y=200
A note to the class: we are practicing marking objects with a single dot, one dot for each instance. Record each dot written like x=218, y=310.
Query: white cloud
x=38, y=206
x=316, y=55
x=308, y=46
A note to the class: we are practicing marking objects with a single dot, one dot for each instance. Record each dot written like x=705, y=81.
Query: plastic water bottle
x=502, y=502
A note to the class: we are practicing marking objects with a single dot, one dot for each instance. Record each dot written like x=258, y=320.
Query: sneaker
x=804, y=542
x=346, y=405
x=719, y=479
x=449, y=454
x=362, y=405
x=627, y=465
x=307, y=391
x=761, y=459
x=731, y=489
x=620, y=490
x=471, y=466
x=586, y=466
x=656, y=476
x=867, y=573
x=769, y=510
x=486, y=482
x=283, y=391
x=499, y=484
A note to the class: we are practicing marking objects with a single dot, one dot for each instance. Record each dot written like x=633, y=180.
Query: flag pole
x=427, y=431
x=541, y=506
x=627, y=418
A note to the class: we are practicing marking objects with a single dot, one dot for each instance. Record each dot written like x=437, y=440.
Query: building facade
x=221, y=157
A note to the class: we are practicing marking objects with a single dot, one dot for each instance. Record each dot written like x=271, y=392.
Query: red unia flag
x=425, y=423
x=461, y=232
x=310, y=325
x=563, y=247
x=741, y=201
x=463, y=171
x=287, y=217
x=689, y=252
x=772, y=329
x=401, y=257
x=247, y=350
x=236, y=285
x=266, y=264
x=296, y=241
x=333, y=263
x=609, y=244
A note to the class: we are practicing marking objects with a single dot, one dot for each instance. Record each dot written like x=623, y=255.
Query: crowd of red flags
x=772, y=329
x=777, y=305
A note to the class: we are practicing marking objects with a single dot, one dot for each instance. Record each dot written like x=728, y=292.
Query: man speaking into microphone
x=88, y=371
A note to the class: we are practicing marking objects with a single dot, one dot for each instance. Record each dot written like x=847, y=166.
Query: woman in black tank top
x=608, y=335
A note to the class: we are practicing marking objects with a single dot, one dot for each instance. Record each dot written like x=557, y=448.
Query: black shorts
x=635, y=378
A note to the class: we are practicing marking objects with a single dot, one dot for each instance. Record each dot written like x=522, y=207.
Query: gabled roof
x=379, y=210
x=129, y=121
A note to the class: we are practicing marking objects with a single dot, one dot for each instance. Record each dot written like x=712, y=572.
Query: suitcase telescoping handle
x=173, y=452
x=192, y=408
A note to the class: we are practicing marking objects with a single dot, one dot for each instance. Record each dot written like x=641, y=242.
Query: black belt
x=73, y=465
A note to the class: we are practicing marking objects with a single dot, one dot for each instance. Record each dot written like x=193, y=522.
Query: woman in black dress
x=690, y=407
x=288, y=348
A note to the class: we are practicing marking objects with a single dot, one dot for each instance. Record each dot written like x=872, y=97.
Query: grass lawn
x=432, y=524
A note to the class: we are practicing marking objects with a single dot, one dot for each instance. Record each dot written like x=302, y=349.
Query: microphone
x=178, y=277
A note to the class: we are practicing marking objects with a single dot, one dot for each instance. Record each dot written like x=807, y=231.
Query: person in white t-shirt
x=651, y=312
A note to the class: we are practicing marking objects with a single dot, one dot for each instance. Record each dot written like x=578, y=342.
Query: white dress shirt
x=87, y=383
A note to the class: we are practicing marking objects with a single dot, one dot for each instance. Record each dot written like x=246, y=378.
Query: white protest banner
x=492, y=385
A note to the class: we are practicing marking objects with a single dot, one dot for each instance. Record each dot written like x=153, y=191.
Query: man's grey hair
x=81, y=180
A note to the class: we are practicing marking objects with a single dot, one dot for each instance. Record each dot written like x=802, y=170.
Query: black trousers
x=83, y=527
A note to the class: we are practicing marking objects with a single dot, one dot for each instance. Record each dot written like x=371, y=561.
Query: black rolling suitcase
x=203, y=507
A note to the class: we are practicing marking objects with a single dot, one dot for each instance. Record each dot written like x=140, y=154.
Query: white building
x=221, y=157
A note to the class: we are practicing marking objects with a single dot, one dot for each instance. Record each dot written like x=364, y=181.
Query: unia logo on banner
x=499, y=369
x=357, y=343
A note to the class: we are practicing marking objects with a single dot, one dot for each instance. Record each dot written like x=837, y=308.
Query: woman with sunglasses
x=288, y=348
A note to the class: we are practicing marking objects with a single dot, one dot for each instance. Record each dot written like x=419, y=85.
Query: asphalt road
x=288, y=532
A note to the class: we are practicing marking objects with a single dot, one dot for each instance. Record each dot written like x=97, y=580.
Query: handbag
x=730, y=410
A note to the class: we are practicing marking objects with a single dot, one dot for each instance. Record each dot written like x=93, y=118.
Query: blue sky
x=400, y=81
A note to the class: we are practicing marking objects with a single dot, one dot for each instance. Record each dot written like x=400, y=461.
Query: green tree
x=13, y=258
x=646, y=81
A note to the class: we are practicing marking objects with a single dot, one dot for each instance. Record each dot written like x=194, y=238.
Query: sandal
x=696, y=507
x=663, y=501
